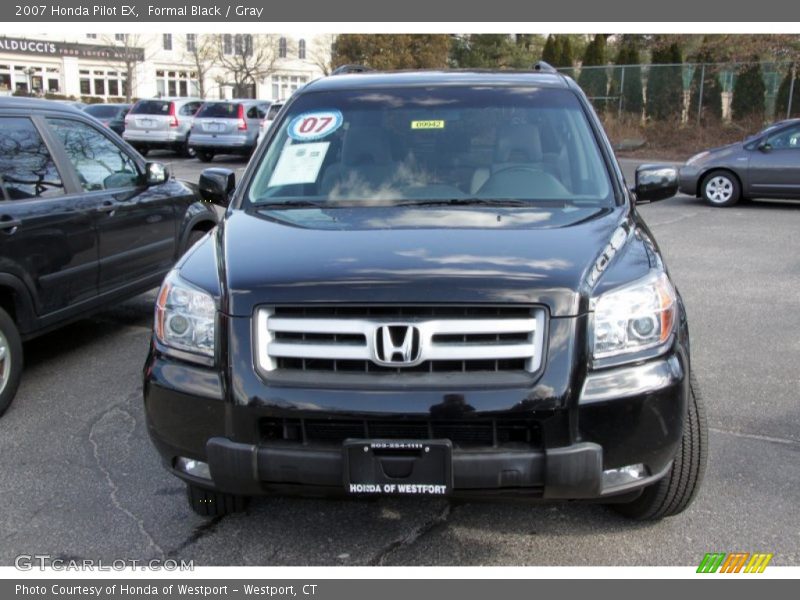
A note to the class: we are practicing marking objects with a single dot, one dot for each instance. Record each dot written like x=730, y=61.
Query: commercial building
x=93, y=65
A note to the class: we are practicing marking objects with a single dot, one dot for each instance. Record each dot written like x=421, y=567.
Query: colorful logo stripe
x=734, y=562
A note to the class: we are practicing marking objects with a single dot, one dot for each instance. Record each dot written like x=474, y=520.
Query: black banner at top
x=439, y=11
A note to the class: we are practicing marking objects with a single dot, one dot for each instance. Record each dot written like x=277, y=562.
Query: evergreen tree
x=593, y=78
x=549, y=54
x=665, y=84
x=712, y=87
x=782, y=100
x=748, y=93
x=631, y=83
x=565, y=61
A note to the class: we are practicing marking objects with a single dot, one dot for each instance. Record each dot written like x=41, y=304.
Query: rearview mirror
x=217, y=185
x=655, y=182
x=155, y=173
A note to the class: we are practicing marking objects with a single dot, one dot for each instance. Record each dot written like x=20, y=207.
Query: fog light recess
x=195, y=468
x=623, y=475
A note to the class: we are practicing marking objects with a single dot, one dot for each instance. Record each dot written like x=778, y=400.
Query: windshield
x=438, y=144
x=219, y=110
x=103, y=111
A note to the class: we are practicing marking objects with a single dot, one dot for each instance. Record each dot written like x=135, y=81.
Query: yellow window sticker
x=427, y=124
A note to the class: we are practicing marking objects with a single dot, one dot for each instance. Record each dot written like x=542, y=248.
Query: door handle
x=9, y=224
x=107, y=207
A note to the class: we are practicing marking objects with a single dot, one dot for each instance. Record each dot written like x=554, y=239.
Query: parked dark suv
x=429, y=283
x=84, y=222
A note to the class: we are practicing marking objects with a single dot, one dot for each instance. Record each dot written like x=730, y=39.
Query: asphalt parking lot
x=80, y=478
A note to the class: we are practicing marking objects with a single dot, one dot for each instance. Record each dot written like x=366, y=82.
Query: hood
x=407, y=255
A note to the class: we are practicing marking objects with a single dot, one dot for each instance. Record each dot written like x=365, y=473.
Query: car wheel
x=721, y=188
x=10, y=360
x=209, y=503
x=205, y=156
x=186, y=152
x=143, y=150
x=194, y=236
x=672, y=494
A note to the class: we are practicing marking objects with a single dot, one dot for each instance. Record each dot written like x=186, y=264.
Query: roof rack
x=544, y=67
x=346, y=69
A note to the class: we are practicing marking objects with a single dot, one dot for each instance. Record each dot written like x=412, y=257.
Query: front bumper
x=689, y=180
x=623, y=416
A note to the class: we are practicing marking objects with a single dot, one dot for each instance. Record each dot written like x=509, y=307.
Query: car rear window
x=218, y=110
x=103, y=111
x=151, y=107
x=273, y=111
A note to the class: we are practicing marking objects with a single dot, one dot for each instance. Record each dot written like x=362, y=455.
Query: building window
x=91, y=36
x=167, y=41
x=227, y=44
x=248, y=44
x=282, y=48
x=176, y=83
x=191, y=42
x=121, y=37
x=238, y=42
x=301, y=49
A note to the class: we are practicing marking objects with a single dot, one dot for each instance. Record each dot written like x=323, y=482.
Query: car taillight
x=242, y=121
x=173, y=118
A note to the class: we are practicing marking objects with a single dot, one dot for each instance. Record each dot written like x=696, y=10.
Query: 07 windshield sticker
x=299, y=163
x=315, y=125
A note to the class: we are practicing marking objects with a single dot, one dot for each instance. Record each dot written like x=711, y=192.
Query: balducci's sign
x=42, y=48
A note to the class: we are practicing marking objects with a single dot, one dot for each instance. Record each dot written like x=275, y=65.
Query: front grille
x=400, y=339
x=483, y=433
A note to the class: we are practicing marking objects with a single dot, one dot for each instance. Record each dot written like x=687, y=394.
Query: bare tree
x=247, y=59
x=130, y=52
x=201, y=51
x=321, y=53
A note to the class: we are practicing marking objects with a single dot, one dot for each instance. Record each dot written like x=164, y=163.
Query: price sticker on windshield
x=315, y=125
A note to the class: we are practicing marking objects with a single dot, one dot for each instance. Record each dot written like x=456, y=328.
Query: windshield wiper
x=293, y=204
x=464, y=202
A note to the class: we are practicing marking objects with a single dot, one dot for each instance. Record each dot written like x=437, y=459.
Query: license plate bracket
x=398, y=467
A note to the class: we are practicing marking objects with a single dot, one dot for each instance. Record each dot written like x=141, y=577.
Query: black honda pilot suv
x=429, y=283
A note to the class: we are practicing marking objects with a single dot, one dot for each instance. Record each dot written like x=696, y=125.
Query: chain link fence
x=693, y=92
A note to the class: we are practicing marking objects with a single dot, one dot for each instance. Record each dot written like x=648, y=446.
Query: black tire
x=204, y=156
x=143, y=150
x=672, y=494
x=185, y=151
x=721, y=188
x=208, y=503
x=11, y=361
x=193, y=238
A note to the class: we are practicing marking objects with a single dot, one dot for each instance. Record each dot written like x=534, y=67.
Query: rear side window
x=99, y=162
x=188, y=109
x=26, y=167
x=151, y=107
x=219, y=110
x=103, y=111
x=256, y=112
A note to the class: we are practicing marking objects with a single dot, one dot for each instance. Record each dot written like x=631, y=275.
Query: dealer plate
x=398, y=467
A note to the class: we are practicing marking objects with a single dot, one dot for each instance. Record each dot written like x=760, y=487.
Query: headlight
x=635, y=317
x=185, y=316
x=697, y=158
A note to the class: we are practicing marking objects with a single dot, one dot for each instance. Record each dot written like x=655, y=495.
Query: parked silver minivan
x=161, y=123
x=227, y=127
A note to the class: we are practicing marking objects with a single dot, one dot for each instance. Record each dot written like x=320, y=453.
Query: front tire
x=10, y=360
x=204, y=156
x=208, y=503
x=673, y=494
x=721, y=188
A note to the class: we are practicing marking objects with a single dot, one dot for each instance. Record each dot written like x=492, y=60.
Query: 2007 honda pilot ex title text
x=429, y=283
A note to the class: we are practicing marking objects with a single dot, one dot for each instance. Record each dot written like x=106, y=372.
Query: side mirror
x=764, y=146
x=155, y=173
x=217, y=185
x=655, y=182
